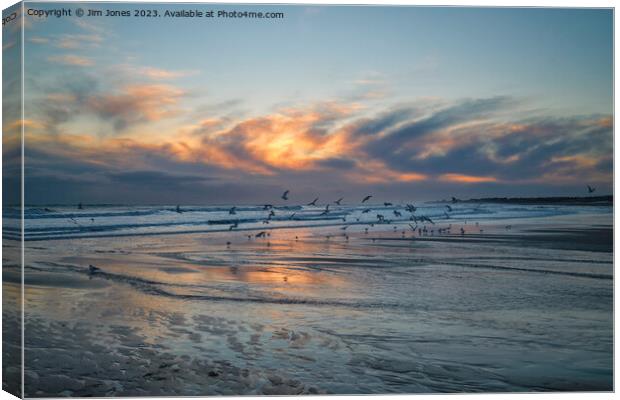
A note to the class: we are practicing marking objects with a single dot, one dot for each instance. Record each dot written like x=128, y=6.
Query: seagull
x=454, y=199
x=292, y=215
x=366, y=211
x=260, y=234
x=387, y=204
x=285, y=195
x=449, y=208
x=413, y=228
x=92, y=269
x=338, y=201
x=344, y=228
x=591, y=189
x=313, y=202
x=233, y=211
x=366, y=199
x=397, y=213
x=380, y=217
x=272, y=214
x=178, y=208
x=233, y=226
x=267, y=207
x=411, y=208
x=326, y=211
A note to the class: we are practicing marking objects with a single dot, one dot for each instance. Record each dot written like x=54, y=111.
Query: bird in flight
x=591, y=189
x=233, y=211
x=449, y=208
x=338, y=201
x=313, y=202
x=285, y=195
x=366, y=199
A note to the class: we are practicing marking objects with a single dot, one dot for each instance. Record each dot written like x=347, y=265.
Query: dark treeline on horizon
x=583, y=200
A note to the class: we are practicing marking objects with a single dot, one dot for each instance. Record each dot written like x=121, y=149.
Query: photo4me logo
x=9, y=18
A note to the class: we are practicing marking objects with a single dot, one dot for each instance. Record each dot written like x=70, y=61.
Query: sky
x=405, y=103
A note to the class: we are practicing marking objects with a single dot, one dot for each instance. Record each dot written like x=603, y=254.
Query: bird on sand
x=338, y=201
x=313, y=202
x=366, y=199
x=591, y=189
x=261, y=234
x=285, y=195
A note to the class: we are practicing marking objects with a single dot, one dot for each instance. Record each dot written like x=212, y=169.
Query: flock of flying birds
x=380, y=218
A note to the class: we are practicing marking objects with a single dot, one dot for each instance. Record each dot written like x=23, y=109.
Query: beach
x=520, y=300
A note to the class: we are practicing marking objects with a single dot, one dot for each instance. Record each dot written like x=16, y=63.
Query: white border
x=479, y=3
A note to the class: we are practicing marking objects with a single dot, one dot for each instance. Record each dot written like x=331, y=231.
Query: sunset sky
x=405, y=103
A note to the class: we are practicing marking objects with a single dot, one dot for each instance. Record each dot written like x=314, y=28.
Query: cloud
x=70, y=41
x=156, y=179
x=460, y=178
x=158, y=73
x=136, y=103
x=38, y=40
x=468, y=143
x=71, y=59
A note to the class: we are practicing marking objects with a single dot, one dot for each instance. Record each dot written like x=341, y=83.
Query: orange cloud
x=376, y=172
x=71, y=59
x=157, y=73
x=460, y=178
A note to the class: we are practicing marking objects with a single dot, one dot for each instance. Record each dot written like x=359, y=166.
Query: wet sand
x=303, y=311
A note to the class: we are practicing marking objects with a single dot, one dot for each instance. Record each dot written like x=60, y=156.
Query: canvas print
x=212, y=199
